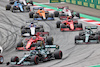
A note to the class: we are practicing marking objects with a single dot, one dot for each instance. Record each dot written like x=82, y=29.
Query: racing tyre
x=77, y=38
x=63, y=26
x=23, y=31
x=41, y=30
x=15, y=59
x=39, y=43
x=8, y=7
x=97, y=38
x=98, y=32
x=1, y=59
x=58, y=54
x=20, y=44
x=22, y=27
x=77, y=15
x=56, y=13
x=49, y=40
x=31, y=2
x=34, y=59
x=80, y=25
x=58, y=24
x=41, y=26
x=31, y=14
x=28, y=8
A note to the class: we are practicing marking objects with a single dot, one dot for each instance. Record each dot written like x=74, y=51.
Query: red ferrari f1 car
x=35, y=41
x=69, y=25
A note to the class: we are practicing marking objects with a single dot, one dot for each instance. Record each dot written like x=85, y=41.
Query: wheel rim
x=1, y=59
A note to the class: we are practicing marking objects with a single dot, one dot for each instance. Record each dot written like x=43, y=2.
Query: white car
x=31, y=28
x=1, y=57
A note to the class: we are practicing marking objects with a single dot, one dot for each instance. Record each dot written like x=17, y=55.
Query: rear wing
x=43, y=33
x=91, y=27
x=52, y=46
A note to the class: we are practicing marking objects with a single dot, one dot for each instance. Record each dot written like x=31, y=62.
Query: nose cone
x=71, y=26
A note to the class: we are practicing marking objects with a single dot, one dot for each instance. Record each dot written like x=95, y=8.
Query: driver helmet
x=69, y=20
x=40, y=8
x=34, y=37
x=32, y=24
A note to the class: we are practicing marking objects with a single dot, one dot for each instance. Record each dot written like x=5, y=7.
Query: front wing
x=67, y=29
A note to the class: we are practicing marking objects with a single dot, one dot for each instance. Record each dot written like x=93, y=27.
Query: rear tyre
x=20, y=44
x=15, y=59
x=34, y=59
x=63, y=26
x=80, y=25
x=31, y=14
x=1, y=60
x=49, y=40
x=58, y=24
x=58, y=54
x=77, y=38
x=8, y=7
x=39, y=43
x=41, y=30
x=77, y=15
x=56, y=13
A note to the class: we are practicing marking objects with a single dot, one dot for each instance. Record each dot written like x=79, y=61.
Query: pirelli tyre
x=1, y=59
x=41, y=30
x=77, y=15
x=56, y=13
x=49, y=40
x=36, y=16
x=41, y=26
x=28, y=8
x=15, y=59
x=97, y=37
x=34, y=59
x=39, y=43
x=77, y=38
x=58, y=24
x=20, y=44
x=31, y=2
x=98, y=32
x=80, y=25
x=58, y=54
x=31, y=14
x=63, y=26
x=22, y=27
x=8, y=7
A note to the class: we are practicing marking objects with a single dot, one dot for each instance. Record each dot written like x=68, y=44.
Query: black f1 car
x=40, y=54
x=88, y=36
x=31, y=28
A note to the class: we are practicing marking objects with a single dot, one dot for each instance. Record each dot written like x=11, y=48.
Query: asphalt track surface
x=73, y=55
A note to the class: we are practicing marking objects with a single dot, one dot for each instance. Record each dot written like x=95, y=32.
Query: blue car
x=18, y=6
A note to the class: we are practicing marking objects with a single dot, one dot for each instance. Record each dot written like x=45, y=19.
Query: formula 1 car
x=35, y=41
x=40, y=54
x=1, y=57
x=69, y=25
x=63, y=12
x=88, y=36
x=25, y=2
x=18, y=6
x=31, y=28
x=38, y=13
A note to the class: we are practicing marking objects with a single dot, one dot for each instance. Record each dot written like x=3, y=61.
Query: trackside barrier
x=87, y=3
